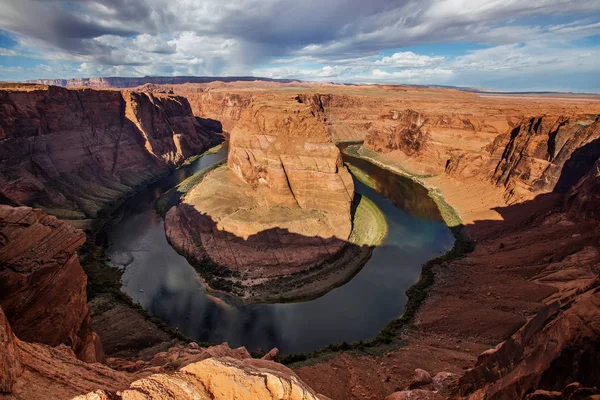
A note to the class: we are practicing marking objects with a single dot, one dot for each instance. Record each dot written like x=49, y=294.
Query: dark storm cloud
x=333, y=27
x=49, y=23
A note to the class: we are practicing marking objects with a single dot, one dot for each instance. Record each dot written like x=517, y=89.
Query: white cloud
x=409, y=59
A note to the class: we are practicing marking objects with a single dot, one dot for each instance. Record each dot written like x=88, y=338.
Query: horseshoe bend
x=236, y=238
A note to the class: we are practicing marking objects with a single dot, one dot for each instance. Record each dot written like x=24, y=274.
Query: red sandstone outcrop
x=284, y=147
x=74, y=152
x=408, y=133
x=42, y=285
x=36, y=371
x=537, y=155
x=546, y=153
x=584, y=198
x=10, y=361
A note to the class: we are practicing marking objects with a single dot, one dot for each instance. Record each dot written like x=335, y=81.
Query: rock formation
x=42, y=285
x=286, y=149
x=10, y=361
x=284, y=189
x=35, y=371
x=74, y=152
x=546, y=153
x=584, y=197
x=217, y=379
x=528, y=293
x=407, y=134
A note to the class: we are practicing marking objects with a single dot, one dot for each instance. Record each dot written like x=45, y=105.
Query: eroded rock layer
x=286, y=148
x=42, y=284
x=217, y=379
x=74, y=152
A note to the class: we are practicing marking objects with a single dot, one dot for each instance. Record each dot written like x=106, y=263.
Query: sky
x=511, y=45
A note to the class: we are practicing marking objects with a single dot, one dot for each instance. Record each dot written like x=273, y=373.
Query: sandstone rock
x=442, y=380
x=407, y=134
x=545, y=153
x=285, y=148
x=280, y=206
x=583, y=199
x=272, y=355
x=218, y=378
x=42, y=284
x=37, y=371
x=421, y=378
x=544, y=395
x=10, y=360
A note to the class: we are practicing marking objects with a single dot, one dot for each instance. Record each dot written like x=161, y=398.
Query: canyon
x=74, y=153
x=512, y=311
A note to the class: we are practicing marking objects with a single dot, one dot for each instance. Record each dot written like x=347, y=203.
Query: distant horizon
x=482, y=90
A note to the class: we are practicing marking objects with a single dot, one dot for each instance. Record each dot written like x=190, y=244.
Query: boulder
x=421, y=378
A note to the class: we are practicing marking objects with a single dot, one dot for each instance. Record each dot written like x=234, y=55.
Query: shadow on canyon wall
x=290, y=260
x=580, y=162
x=520, y=264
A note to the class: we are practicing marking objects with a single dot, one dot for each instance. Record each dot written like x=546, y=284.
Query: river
x=165, y=284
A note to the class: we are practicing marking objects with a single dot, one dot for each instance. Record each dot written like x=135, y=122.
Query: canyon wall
x=42, y=284
x=74, y=152
x=546, y=153
x=532, y=155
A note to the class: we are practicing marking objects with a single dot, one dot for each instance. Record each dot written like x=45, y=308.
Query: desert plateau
x=262, y=200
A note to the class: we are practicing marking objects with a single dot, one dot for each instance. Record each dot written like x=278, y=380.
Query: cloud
x=409, y=59
x=345, y=40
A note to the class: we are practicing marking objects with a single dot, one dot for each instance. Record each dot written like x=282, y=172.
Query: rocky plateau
x=512, y=312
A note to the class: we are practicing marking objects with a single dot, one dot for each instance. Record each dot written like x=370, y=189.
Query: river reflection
x=166, y=285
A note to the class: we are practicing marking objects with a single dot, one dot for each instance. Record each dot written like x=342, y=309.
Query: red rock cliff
x=543, y=154
x=42, y=284
x=73, y=152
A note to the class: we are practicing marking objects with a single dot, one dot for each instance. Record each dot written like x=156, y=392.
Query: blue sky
x=495, y=44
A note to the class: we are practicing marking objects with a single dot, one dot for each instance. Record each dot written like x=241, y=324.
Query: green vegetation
x=174, y=196
x=212, y=150
x=362, y=176
x=369, y=226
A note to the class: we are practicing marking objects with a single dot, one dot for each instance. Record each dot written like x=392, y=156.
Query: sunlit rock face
x=218, y=379
x=286, y=148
